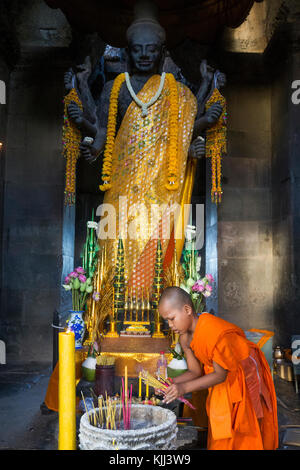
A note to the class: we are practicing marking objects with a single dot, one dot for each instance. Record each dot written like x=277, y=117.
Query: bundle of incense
x=126, y=405
x=106, y=414
x=161, y=385
x=105, y=361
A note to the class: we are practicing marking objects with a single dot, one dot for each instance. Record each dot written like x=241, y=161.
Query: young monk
x=241, y=402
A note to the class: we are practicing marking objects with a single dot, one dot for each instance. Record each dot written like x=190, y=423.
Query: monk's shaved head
x=177, y=296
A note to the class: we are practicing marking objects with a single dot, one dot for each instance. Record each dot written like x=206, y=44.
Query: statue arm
x=202, y=94
x=92, y=151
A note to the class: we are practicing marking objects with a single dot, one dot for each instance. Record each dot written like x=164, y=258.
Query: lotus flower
x=80, y=270
x=82, y=287
x=76, y=283
x=209, y=278
x=73, y=274
x=82, y=278
x=206, y=293
x=67, y=286
x=198, y=286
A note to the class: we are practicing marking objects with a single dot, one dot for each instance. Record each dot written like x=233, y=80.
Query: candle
x=66, y=392
x=140, y=385
x=147, y=388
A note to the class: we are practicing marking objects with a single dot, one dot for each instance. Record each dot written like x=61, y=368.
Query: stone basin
x=152, y=427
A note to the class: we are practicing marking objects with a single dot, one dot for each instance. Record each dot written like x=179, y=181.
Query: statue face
x=145, y=50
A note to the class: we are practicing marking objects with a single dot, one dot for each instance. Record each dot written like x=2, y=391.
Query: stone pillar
x=284, y=55
x=4, y=76
x=239, y=231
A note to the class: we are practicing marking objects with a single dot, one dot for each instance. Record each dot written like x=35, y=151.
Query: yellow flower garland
x=71, y=142
x=111, y=132
x=172, y=172
x=172, y=182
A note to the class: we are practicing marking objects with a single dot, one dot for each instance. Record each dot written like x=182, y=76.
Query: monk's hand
x=173, y=391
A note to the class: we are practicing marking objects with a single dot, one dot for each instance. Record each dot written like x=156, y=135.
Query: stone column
x=284, y=56
x=239, y=230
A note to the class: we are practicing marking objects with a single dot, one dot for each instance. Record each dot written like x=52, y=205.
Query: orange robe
x=242, y=411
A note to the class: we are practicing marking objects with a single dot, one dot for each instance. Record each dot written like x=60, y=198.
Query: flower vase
x=76, y=323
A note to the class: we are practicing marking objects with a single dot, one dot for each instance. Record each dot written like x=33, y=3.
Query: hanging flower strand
x=111, y=132
x=172, y=171
x=71, y=142
x=216, y=146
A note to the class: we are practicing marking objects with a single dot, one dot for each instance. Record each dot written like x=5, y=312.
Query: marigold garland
x=71, y=142
x=172, y=174
x=111, y=132
x=172, y=168
x=216, y=146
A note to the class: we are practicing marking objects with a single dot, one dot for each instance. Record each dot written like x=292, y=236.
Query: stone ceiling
x=199, y=20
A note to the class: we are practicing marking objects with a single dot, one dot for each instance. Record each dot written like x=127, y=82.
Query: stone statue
x=145, y=59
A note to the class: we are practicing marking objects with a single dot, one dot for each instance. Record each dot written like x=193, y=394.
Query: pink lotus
x=198, y=287
x=82, y=278
x=80, y=270
x=209, y=288
x=209, y=278
x=67, y=280
x=73, y=274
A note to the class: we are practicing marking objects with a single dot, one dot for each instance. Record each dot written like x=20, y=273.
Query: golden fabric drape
x=139, y=165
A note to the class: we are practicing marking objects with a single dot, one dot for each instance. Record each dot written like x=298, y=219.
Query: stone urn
x=152, y=428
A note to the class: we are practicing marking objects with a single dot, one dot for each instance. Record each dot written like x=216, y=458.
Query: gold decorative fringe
x=216, y=146
x=71, y=142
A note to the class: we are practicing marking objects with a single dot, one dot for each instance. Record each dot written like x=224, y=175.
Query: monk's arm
x=194, y=368
x=201, y=383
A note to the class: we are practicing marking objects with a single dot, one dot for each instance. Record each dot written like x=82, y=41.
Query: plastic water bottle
x=162, y=365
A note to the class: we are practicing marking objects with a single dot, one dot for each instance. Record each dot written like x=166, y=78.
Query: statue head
x=146, y=39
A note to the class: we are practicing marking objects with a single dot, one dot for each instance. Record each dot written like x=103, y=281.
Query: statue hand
x=207, y=72
x=221, y=79
x=198, y=147
x=84, y=70
x=88, y=152
x=68, y=80
x=75, y=113
x=213, y=113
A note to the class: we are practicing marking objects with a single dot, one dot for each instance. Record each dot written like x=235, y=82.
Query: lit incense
x=126, y=384
x=140, y=385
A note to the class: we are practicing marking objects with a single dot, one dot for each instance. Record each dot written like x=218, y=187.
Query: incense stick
x=160, y=386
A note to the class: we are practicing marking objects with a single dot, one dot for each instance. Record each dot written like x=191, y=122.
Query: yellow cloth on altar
x=139, y=174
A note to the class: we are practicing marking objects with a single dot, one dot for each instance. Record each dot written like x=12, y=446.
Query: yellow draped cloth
x=139, y=174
